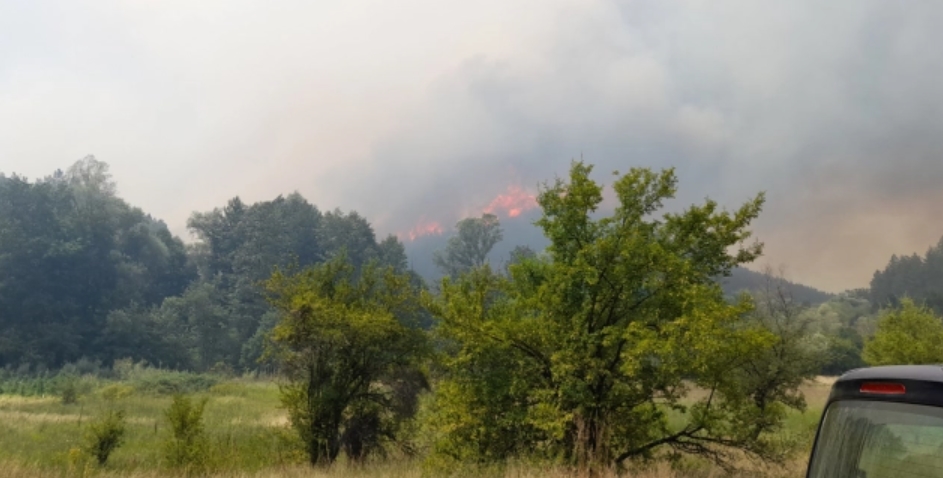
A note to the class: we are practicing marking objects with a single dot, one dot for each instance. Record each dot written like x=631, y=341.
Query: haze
x=418, y=112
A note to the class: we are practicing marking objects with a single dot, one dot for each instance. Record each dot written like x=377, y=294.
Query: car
x=882, y=422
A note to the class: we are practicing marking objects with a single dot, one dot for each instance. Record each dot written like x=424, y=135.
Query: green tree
x=912, y=334
x=517, y=255
x=470, y=246
x=349, y=235
x=772, y=378
x=392, y=253
x=581, y=355
x=344, y=339
x=71, y=252
x=914, y=276
x=844, y=352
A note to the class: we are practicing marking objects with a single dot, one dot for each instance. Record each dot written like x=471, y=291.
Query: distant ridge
x=746, y=280
x=522, y=231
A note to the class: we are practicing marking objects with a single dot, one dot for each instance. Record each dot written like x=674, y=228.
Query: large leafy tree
x=470, y=246
x=71, y=252
x=912, y=334
x=584, y=354
x=241, y=245
x=349, y=235
x=348, y=343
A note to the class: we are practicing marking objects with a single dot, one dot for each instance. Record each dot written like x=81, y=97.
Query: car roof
x=925, y=373
x=923, y=384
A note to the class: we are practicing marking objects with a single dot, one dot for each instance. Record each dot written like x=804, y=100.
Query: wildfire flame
x=512, y=202
x=425, y=228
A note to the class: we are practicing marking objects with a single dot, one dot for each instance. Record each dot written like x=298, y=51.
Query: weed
x=187, y=446
x=105, y=435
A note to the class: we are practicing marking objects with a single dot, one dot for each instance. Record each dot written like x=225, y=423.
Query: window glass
x=872, y=439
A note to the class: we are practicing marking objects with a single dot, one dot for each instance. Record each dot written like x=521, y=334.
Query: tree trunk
x=592, y=444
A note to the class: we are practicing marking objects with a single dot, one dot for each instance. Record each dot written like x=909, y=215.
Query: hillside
x=521, y=231
x=742, y=279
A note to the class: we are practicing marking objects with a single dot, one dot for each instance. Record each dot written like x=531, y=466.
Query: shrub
x=116, y=391
x=187, y=446
x=162, y=382
x=105, y=435
x=69, y=392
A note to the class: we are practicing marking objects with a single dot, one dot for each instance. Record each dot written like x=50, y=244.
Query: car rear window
x=874, y=439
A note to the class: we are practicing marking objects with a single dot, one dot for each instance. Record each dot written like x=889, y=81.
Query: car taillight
x=883, y=388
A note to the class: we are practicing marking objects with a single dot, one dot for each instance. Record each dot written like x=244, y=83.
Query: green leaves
x=104, y=435
x=71, y=253
x=470, y=247
x=580, y=355
x=344, y=341
x=911, y=335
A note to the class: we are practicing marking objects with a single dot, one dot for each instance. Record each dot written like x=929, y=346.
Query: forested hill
x=914, y=276
x=520, y=232
x=742, y=279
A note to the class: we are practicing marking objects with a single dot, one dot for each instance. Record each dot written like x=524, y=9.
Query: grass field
x=40, y=436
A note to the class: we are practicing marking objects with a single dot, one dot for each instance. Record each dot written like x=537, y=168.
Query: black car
x=882, y=422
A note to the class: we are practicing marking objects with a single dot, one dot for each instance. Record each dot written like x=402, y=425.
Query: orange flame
x=512, y=203
x=425, y=228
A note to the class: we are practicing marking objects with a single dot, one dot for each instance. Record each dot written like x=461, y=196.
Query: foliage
x=84, y=274
x=749, y=281
x=116, y=391
x=912, y=334
x=69, y=392
x=105, y=435
x=844, y=353
x=469, y=248
x=187, y=446
x=581, y=355
x=346, y=337
x=172, y=383
x=771, y=379
x=71, y=253
x=518, y=255
x=151, y=380
x=916, y=277
x=842, y=323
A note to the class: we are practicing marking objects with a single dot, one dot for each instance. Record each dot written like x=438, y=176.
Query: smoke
x=418, y=113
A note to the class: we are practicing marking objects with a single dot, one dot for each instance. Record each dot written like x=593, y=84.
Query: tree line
x=85, y=274
x=615, y=343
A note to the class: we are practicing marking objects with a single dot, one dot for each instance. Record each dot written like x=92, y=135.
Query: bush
x=105, y=435
x=116, y=391
x=187, y=447
x=161, y=382
x=70, y=392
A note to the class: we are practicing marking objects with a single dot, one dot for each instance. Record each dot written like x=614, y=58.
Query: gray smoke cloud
x=420, y=111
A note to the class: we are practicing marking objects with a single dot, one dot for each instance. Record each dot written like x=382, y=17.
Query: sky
x=417, y=113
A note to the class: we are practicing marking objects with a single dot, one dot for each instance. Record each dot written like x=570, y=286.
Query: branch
x=687, y=431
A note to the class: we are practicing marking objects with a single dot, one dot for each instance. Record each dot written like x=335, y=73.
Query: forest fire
x=512, y=202
x=424, y=228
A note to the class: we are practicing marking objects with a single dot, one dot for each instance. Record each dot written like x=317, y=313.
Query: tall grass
x=247, y=432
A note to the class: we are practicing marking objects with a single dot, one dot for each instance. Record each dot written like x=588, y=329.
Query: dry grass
x=406, y=470
x=37, y=436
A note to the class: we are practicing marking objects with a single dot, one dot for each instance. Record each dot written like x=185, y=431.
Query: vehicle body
x=882, y=422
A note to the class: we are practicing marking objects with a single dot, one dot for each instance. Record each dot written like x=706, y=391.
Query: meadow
x=247, y=430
